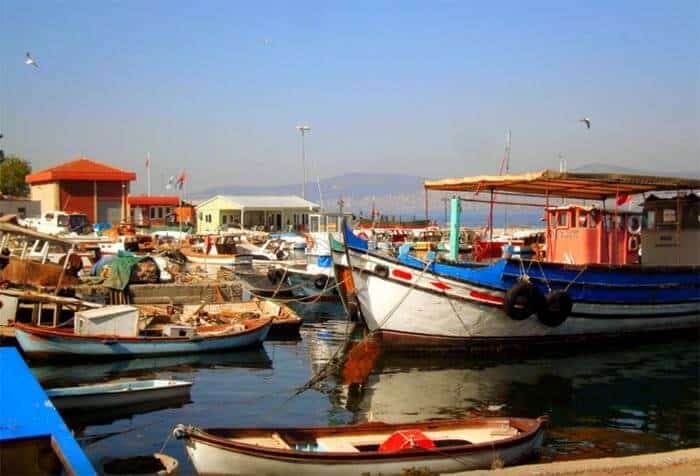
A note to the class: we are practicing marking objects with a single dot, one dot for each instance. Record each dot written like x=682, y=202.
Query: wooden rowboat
x=370, y=448
x=109, y=395
x=41, y=342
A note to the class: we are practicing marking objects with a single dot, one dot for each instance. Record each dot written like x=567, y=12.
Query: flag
x=171, y=180
x=622, y=198
x=180, y=182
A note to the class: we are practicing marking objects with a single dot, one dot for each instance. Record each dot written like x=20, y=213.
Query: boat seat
x=337, y=445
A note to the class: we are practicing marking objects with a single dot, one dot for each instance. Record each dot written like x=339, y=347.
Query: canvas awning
x=592, y=186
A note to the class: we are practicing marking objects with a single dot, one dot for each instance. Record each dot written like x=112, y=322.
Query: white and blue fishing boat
x=516, y=301
x=40, y=341
x=113, y=394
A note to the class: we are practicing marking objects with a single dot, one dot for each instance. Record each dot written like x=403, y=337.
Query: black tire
x=557, y=308
x=522, y=301
x=275, y=275
x=321, y=282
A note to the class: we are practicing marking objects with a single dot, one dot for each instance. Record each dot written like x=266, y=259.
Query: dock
x=34, y=439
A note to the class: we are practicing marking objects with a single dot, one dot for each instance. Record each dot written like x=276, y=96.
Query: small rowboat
x=38, y=341
x=109, y=395
x=369, y=448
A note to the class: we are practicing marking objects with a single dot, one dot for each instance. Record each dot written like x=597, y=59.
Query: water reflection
x=149, y=367
x=644, y=398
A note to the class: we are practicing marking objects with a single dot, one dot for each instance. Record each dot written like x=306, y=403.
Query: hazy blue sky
x=425, y=88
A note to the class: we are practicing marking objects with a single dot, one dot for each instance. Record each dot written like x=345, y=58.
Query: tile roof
x=81, y=169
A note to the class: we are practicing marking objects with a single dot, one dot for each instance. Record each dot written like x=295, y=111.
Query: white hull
x=211, y=460
x=417, y=306
x=120, y=394
x=33, y=344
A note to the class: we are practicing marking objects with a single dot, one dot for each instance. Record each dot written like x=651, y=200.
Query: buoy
x=522, y=301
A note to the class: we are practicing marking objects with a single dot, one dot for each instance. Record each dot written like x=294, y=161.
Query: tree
x=13, y=169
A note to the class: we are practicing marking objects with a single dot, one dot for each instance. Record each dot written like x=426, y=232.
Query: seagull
x=587, y=120
x=30, y=61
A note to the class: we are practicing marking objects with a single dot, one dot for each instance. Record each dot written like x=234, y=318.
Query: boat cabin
x=671, y=233
x=580, y=234
x=60, y=223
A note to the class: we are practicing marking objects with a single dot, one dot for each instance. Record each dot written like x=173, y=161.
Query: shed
x=149, y=210
x=98, y=190
x=268, y=212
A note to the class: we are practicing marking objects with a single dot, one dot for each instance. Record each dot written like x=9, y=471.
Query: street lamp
x=303, y=129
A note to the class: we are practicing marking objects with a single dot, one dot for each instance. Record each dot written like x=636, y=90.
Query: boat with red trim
x=515, y=301
x=436, y=446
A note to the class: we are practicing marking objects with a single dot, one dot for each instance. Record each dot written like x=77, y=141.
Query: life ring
x=363, y=235
x=634, y=225
x=633, y=243
x=275, y=275
x=557, y=307
x=522, y=301
x=321, y=282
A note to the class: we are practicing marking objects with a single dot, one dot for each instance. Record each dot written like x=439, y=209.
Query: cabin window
x=583, y=218
x=49, y=216
x=619, y=221
x=552, y=219
x=608, y=222
x=650, y=219
x=63, y=220
x=669, y=215
x=562, y=218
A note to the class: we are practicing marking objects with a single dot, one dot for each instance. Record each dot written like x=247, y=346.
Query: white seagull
x=28, y=60
x=587, y=120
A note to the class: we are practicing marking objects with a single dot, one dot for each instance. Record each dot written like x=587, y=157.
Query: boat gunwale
x=529, y=428
x=172, y=384
x=48, y=332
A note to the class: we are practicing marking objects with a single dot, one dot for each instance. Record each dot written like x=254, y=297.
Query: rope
x=396, y=306
x=312, y=299
x=577, y=276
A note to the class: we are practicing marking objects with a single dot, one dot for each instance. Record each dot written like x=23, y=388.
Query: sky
x=422, y=88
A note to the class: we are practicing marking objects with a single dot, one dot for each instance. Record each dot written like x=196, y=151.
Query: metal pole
x=303, y=166
x=455, y=215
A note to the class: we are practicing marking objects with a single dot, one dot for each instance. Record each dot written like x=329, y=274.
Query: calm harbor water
x=616, y=401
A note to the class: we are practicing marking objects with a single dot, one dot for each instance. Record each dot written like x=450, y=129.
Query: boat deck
x=348, y=444
x=31, y=428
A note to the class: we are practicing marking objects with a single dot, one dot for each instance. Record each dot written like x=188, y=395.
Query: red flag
x=622, y=198
x=181, y=180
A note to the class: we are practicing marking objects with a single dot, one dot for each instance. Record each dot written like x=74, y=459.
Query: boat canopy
x=591, y=186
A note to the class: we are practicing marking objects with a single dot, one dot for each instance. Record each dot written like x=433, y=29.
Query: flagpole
x=148, y=174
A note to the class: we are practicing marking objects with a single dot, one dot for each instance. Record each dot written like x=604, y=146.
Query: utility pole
x=303, y=129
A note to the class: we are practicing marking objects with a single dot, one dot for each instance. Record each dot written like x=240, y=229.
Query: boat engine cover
x=406, y=440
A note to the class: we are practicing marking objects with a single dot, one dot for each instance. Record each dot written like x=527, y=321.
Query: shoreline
x=677, y=463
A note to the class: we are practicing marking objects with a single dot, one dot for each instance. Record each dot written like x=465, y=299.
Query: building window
x=201, y=216
x=224, y=219
x=153, y=212
x=208, y=218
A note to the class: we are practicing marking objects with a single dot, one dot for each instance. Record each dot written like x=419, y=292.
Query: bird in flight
x=587, y=120
x=28, y=60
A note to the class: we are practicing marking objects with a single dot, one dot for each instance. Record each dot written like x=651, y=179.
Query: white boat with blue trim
x=427, y=303
x=113, y=394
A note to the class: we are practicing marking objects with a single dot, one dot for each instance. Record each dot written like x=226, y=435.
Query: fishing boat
x=285, y=322
x=39, y=342
x=108, y=395
x=518, y=302
x=369, y=448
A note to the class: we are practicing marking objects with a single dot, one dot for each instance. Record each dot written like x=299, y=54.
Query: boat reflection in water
x=612, y=402
x=148, y=367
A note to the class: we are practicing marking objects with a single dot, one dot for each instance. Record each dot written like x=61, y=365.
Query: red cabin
x=580, y=234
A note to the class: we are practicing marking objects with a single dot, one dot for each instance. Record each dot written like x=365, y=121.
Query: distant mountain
x=597, y=167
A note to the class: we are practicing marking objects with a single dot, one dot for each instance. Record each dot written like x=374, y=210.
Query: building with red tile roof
x=83, y=185
x=150, y=210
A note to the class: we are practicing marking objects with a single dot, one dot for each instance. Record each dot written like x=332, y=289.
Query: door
x=109, y=211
